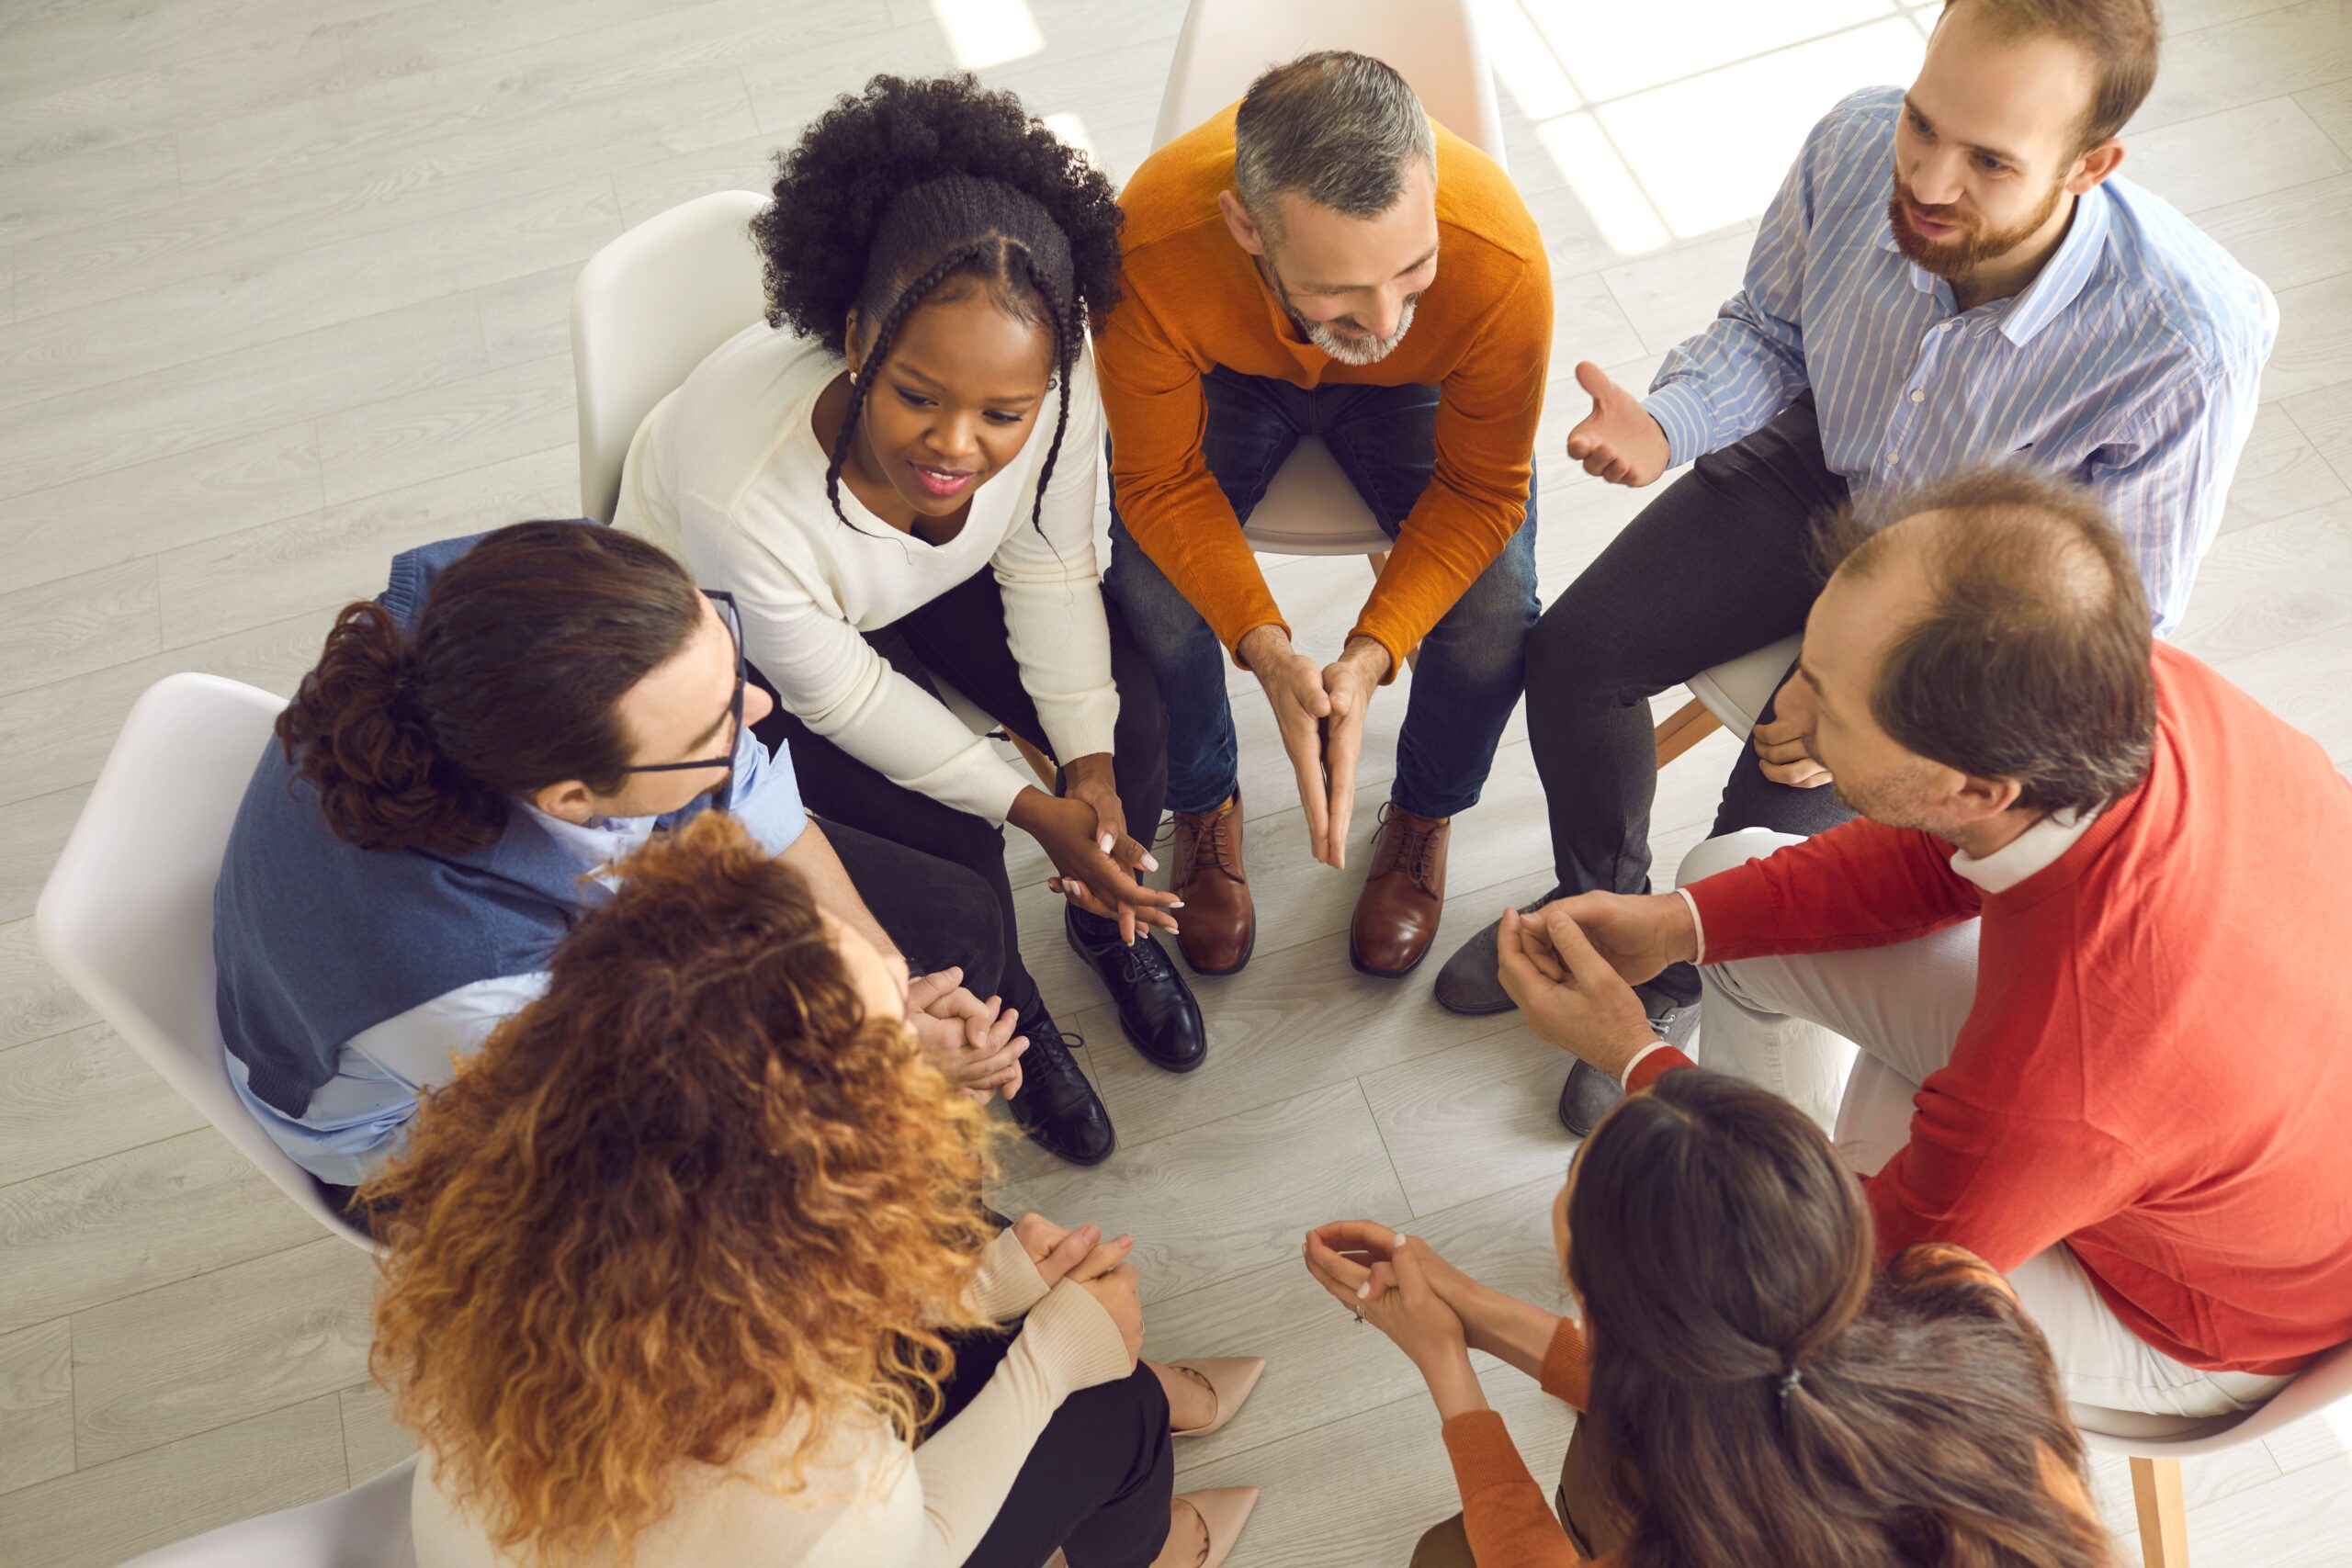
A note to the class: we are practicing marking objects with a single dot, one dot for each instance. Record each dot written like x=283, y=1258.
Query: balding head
x=2002, y=631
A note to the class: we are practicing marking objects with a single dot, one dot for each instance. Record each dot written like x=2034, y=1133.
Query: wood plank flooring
x=283, y=287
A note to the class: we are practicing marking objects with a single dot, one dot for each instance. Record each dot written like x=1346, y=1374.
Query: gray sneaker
x=1589, y=1095
x=1471, y=981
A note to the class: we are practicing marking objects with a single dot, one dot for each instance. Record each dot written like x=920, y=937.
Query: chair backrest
x=647, y=309
x=127, y=915
x=366, y=1527
x=1434, y=44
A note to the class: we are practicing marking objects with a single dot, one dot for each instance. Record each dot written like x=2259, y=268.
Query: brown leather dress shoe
x=1404, y=893
x=1218, y=925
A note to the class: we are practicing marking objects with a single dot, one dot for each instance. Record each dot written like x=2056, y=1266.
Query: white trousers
x=1849, y=1037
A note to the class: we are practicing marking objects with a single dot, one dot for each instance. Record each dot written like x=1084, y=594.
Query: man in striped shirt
x=1949, y=276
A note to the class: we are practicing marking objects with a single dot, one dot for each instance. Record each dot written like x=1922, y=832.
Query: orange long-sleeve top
x=1503, y=1511
x=1191, y=298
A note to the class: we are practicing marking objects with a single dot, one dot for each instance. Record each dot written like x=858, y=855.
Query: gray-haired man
x=1322, y=259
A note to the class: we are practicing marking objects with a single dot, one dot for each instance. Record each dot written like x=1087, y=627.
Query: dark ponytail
x=508, y=682
x=892, y=194
x=1766, y=1397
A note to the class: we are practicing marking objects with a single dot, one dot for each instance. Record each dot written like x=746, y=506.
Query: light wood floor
x=282, y=291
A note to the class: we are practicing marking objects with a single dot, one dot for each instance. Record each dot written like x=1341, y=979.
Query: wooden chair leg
x=1039, y=763
x=2164, y=1517
x=1379, y=559
x=1684, y=727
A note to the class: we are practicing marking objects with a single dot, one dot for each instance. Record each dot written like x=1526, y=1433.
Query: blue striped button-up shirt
x=2131, y=363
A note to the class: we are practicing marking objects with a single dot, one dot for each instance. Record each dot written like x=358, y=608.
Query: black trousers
x=1721, y=564
x=1097, y=1481
x=940, y=914
x=959, y=639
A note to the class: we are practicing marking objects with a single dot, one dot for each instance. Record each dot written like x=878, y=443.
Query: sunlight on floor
x=1661, y=148
x=981, y=33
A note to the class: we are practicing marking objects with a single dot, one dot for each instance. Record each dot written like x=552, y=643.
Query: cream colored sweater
x=869, y=1502
x=726, y=474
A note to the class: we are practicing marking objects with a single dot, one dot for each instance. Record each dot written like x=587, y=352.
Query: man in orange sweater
x=1323, y=259
x=2086, y=865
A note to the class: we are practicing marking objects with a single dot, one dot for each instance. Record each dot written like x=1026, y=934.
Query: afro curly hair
x=893, y=191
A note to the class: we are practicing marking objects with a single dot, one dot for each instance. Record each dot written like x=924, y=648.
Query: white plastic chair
x=2155, y=1460
x=1309, y=508
x=648, y=309
x=1732, y=695
x=127, y=915
x=366, y=1527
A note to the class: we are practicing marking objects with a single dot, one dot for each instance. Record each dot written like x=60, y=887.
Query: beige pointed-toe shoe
x=1224, y=1509
x=1230, y=1378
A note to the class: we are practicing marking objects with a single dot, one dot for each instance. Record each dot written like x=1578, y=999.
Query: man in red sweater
x=2086, y=865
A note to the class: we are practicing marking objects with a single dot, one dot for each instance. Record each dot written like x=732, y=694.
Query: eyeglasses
x=734, y=619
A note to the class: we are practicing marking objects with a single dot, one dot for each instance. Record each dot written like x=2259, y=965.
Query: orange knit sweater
x=1191, y=298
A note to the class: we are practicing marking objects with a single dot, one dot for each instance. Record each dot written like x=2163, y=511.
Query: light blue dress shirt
x=2131, y=363
x=359, y=1119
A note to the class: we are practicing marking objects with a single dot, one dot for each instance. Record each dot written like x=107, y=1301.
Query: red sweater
x=2157, y=1070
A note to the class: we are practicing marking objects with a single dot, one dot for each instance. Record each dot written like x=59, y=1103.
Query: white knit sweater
x=727, y=473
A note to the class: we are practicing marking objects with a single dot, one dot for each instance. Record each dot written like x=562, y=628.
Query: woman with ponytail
x=446, y=794
x=1752, y=1394
x=894, y=474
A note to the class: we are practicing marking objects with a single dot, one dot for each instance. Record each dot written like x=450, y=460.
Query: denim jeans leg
x=1251, y=428
x=1471, y=667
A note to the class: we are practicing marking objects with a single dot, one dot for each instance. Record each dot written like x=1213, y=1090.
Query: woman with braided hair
x=1753, y=1393
x=895, y=475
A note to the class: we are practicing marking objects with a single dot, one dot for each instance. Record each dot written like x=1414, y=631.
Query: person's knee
x=1713, y=855
x=971, y=923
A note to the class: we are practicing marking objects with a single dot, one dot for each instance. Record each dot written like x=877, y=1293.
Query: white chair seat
x=366, y=1527
x=1736, y=691
x=1311, y=509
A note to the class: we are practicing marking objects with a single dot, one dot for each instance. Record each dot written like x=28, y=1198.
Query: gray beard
x=1354, y=351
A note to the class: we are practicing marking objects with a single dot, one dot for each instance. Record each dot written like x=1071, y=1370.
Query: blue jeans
x=1471, y=667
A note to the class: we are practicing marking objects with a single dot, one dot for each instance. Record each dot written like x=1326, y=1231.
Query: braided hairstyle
x=895, y=191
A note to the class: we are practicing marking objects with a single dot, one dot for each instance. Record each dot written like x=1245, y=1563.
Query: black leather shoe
x=1057, y=1106
x=1589, y=1095
x=1156, y=1007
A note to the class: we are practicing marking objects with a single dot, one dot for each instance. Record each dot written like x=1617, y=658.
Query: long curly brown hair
x=692, y=1194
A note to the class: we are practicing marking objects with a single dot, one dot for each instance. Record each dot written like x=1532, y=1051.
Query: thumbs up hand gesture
x=1618, y=441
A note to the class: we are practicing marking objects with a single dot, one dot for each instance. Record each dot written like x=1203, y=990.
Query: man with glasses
x=448, y=791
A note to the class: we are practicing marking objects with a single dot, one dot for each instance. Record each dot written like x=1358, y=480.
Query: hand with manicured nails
x=1570, y=995
x=1399, y=1296
x=972, y=1041
x=1618, y=441
x=1098, y=879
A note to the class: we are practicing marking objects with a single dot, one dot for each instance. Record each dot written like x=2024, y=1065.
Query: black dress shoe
x=1589, y=1095
x=1156, y=1007
x=1057, y=1106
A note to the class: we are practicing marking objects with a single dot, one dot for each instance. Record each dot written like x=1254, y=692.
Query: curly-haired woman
x=684, y=1259
x=894, y=474
x=1752, y=1393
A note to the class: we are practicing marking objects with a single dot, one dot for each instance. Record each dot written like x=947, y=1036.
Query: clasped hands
x=1101, y=1269
x=1083, y=831
x=1320, y=714
x=1572, y=966
x=972, y=1041
x=1400, y=1286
